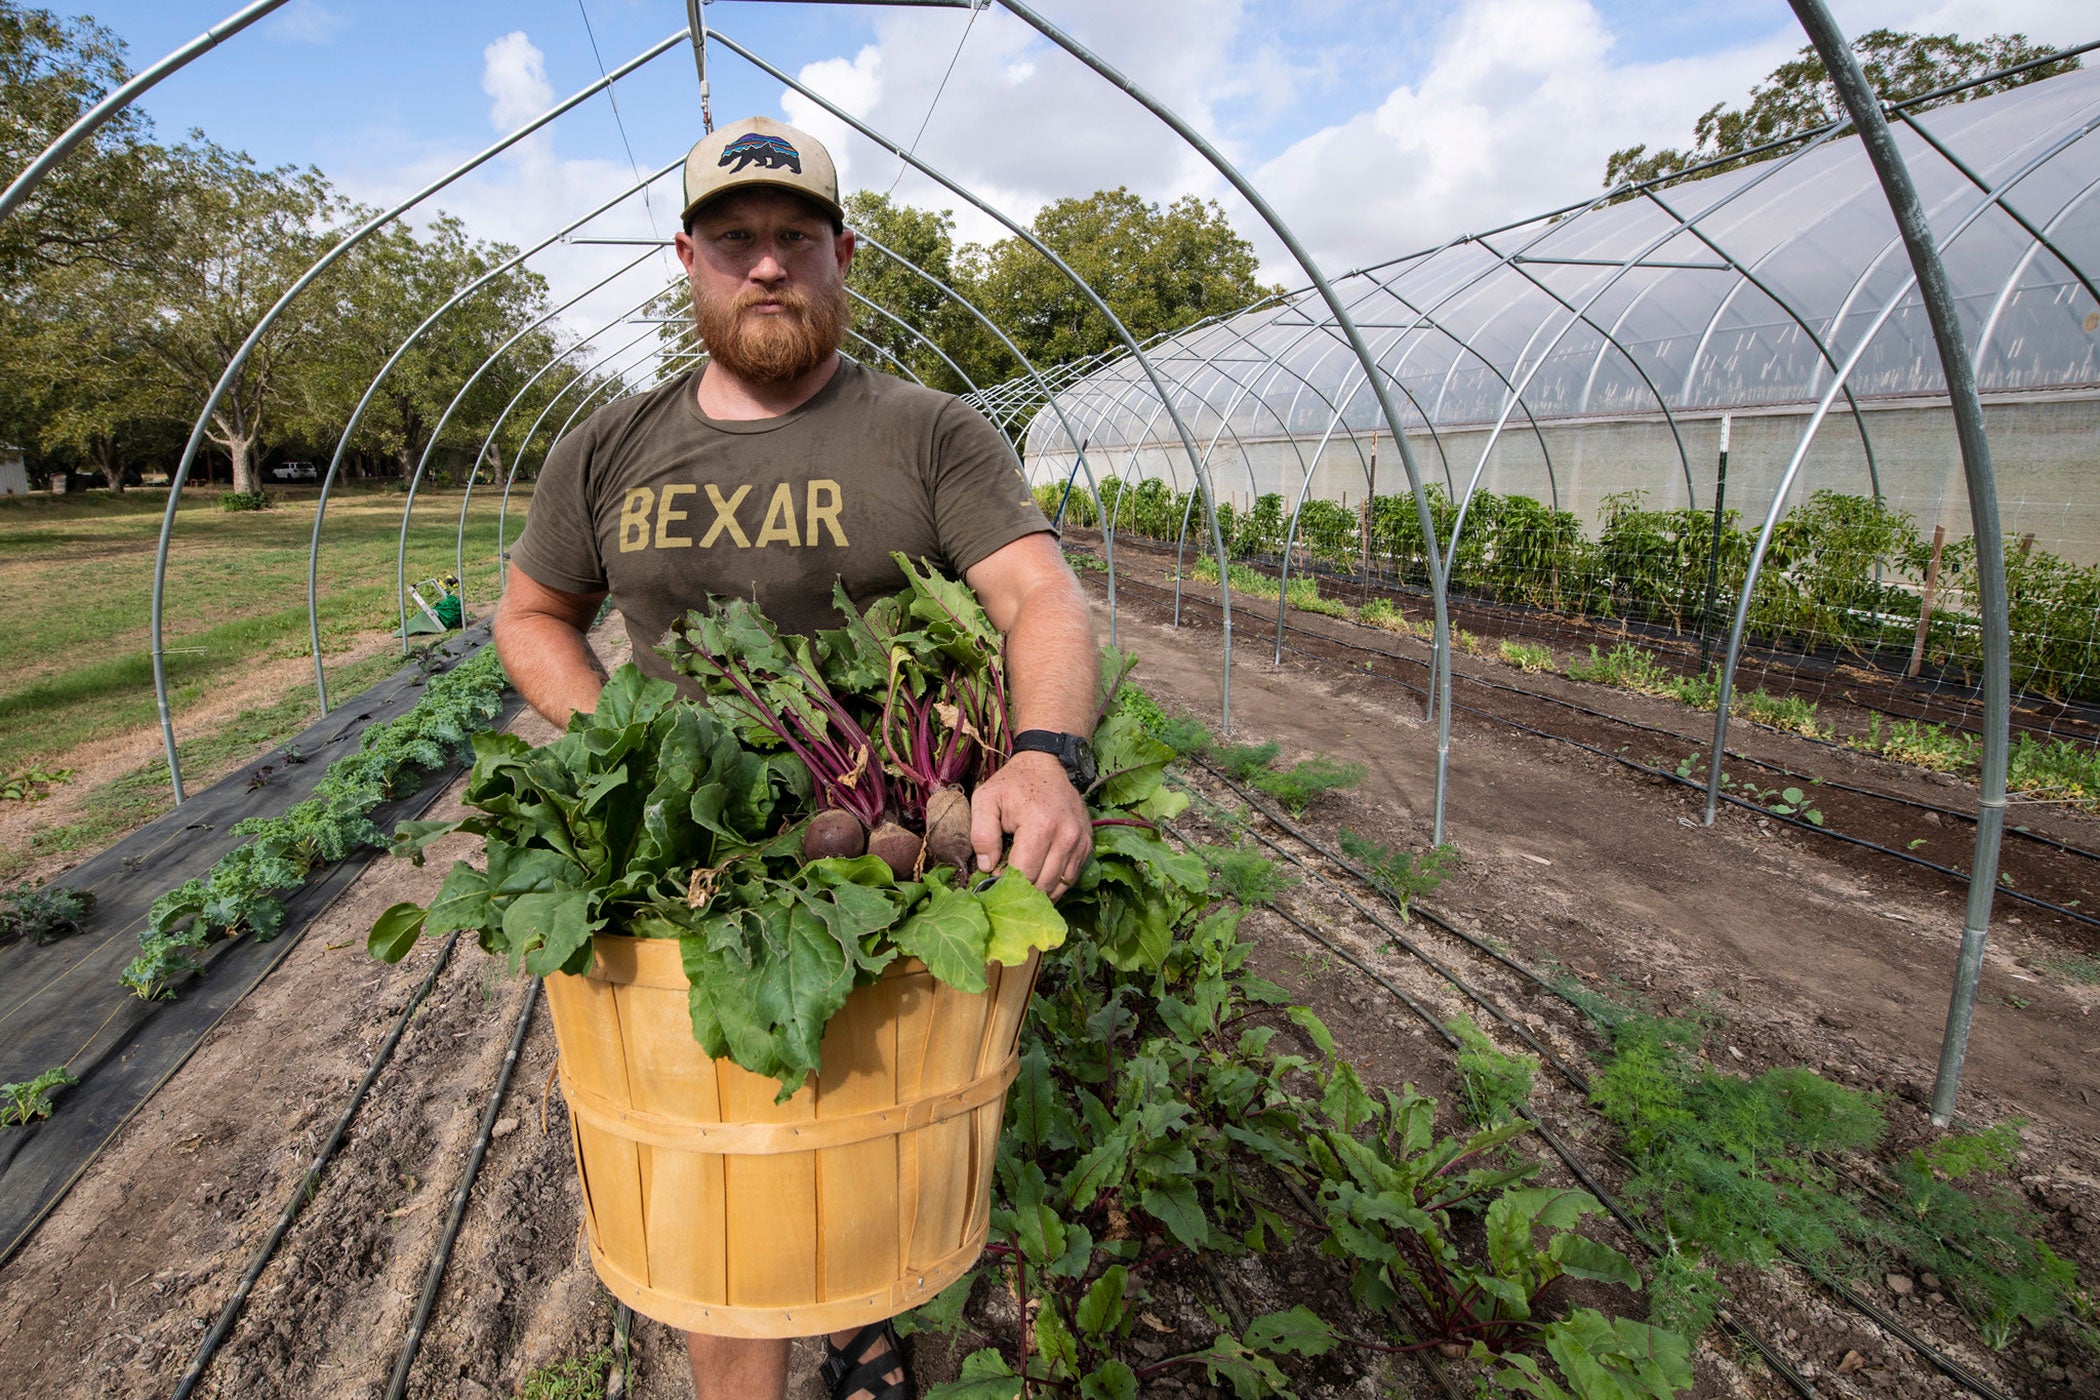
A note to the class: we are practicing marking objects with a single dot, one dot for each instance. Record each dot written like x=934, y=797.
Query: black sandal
x=846, y=1374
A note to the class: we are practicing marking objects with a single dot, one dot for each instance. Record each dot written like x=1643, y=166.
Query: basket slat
x=772, y=1220
x=611, y=1167
x=857, y=1185
x=954, y=1039
x=684, y=1192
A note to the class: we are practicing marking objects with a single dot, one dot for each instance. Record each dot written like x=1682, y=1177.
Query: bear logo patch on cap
x=766, y=152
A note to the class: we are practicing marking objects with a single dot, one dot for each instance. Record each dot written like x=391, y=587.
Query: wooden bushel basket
x=712, y=1209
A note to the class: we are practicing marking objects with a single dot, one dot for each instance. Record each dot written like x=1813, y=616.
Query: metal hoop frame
x=1066, y=390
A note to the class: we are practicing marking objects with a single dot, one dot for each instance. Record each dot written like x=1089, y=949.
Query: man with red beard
x=771, y=471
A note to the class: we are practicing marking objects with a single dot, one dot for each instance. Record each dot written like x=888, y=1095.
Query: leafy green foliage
x=1731, y=1168
x=240, y=894
x=1798, y=96
x=1843, y=572
x=244, y=500
x=1528, y=657
x=1154, y=1115
x=1241, y=762
x=21, y=1103
x=1495, y=1083
x=659, y=818
x=1298, y=786
x=572, y=1378
x=33, y=785
x=1625, y=666
x=1930, y=746
x=1244, y=876
x=1400, y=876
x=44, y=914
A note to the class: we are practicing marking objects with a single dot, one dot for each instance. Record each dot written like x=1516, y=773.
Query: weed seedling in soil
x=1401, y=876
x=1789, y=713
x=34, y=785
x=1241, y=762
x=576, y=1378
x=20, y=1103
x=1528, y=657
x=2075, y=967
x=1297, y=786
x=1625, y=666
x=42, y=915
x=1381, y=613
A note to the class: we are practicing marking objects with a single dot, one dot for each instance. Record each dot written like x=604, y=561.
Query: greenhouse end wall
x=2045, y=448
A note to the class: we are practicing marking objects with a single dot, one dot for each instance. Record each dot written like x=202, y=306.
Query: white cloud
x=1508, y=108
x=1512, y=111
x=306, y=22
x=1019, y=122
x=532, y=189
x=514, y=75
x=1520, y=105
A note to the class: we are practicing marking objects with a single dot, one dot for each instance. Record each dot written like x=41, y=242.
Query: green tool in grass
x=437, y=599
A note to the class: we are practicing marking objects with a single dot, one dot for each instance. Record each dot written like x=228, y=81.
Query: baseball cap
x=758, y=151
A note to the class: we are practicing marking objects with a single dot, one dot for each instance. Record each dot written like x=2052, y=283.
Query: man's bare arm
x=540, y=636
x=1053, y=670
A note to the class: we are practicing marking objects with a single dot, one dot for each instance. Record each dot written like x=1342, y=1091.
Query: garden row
x=1843, y=573
x=2053, y=770
x=1183, y=1141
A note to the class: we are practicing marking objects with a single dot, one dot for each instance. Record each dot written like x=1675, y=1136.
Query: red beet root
x=834, y=833
x=898, y=847
x=948, y=829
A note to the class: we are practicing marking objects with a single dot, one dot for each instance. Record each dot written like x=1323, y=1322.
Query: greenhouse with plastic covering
x=1511, y=817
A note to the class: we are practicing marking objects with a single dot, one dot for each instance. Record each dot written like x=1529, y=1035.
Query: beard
x=778, y=348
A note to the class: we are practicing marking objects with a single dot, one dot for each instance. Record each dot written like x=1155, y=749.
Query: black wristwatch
x=1075, y=753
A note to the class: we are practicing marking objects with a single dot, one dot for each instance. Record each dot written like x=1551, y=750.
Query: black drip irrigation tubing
x=1671, y=776
x=1953, y=1369
x=434, y=1277
x=1697, y=742
x=2022, y=833
x=308, y=1183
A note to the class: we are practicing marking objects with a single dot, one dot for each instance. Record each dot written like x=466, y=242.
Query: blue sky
x=1377, y=126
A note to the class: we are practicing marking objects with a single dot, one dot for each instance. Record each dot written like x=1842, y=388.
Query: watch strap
x=1070, y=750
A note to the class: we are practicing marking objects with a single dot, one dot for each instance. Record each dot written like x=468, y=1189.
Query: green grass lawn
x=76, y=587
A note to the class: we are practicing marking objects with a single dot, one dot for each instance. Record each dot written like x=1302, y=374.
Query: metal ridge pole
x=1938, y=295
x=92, y=119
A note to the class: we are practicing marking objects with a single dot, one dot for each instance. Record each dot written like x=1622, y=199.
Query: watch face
x=1082, y=766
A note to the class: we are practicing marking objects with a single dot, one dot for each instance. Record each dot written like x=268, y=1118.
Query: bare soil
x=1809, y=952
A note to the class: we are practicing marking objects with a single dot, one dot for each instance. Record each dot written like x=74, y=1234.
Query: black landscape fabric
x=63, y=1005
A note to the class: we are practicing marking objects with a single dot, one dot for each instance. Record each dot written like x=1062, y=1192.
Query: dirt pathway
x=1813, y=951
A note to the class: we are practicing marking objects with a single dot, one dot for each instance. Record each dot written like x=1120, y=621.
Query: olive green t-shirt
x=659, y=505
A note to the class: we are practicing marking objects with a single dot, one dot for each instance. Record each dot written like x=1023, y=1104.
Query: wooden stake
x=1932, y=583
